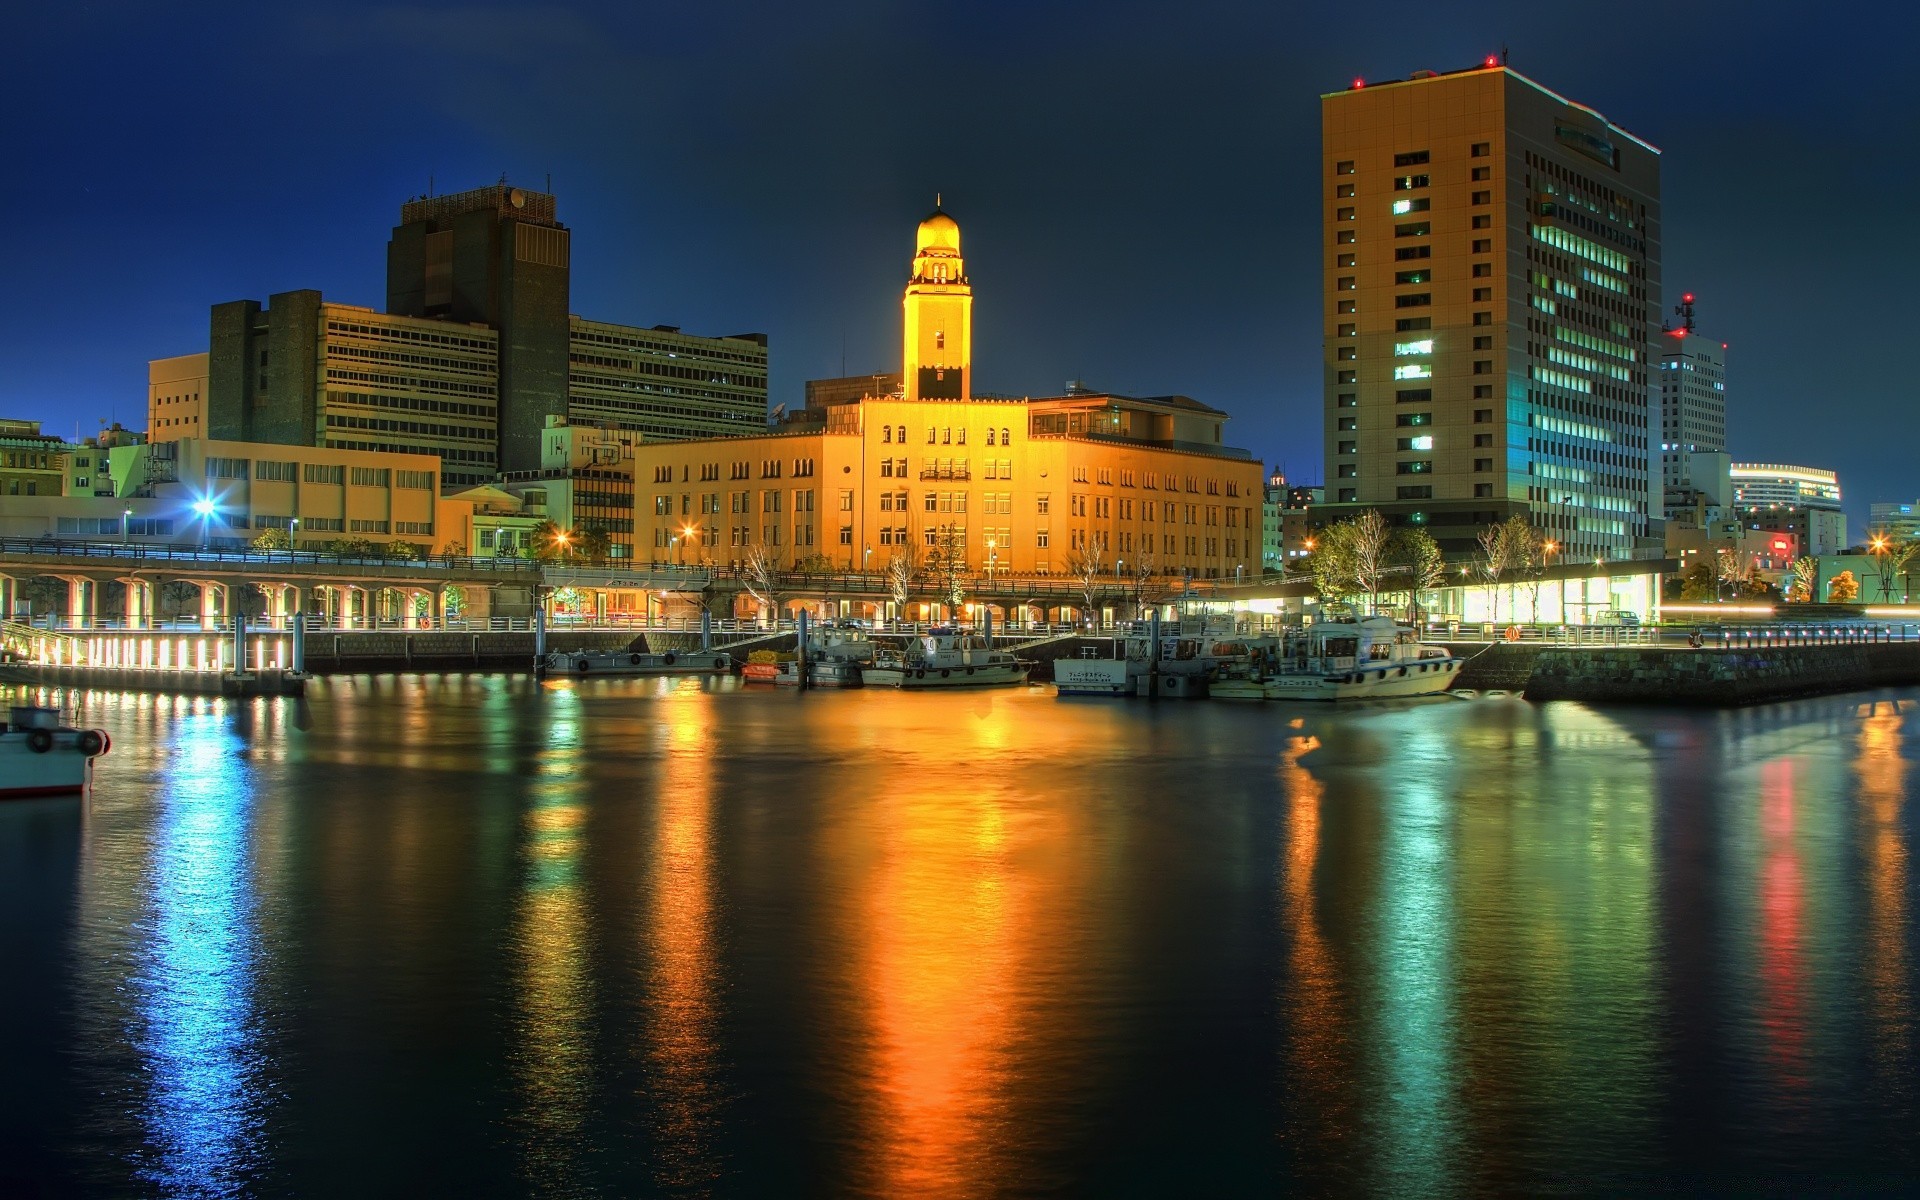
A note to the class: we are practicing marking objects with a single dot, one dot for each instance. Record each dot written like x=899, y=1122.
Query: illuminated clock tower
x=938, y=359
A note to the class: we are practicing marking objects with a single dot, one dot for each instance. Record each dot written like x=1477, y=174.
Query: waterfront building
x=302, y=371
x=584, y=484
x=1781, y=498
x=1492, y=261
x=1693, y=415
x=474, y=356
x=1896, y=522
x=222, y=494
x=1022, y=486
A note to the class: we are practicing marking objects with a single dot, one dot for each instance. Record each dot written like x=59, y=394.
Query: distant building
x=1900, y=522
x=1273, y=499
x=1693, y=414
x=1492, y=257
x=475, y=354
x=1298, y=521
x=824, y=393
x=31, y=463
x=1803, y=501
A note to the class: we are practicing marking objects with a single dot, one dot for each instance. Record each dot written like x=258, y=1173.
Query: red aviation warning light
x=1493, y=60
x=1358, y=83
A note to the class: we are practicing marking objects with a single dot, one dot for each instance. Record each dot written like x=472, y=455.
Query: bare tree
x=1369, y=537
x=1141, y=584
x=947, y=565
x=1085, y=568
x=760, y=574
x=1890, y=561
x=1526, y=554
x=1493, y=561
x=1734, y=570
x=901, y=572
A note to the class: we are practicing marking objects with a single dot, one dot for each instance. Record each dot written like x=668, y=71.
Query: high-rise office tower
x=1693, y=411
x=494, y=256
x=1492, y=263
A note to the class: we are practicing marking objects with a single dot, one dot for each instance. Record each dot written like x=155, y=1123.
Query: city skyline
x=1119, y=253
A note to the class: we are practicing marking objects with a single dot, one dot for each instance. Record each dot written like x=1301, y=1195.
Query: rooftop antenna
x=1684, y=310
x=936, y=202
x=1503, y=54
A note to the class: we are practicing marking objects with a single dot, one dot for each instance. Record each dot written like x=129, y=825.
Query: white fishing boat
x=1367, y=659
x=946, y=658
x=837, y=656
x=1194, y=652
x=638, y=662
x=41, y=757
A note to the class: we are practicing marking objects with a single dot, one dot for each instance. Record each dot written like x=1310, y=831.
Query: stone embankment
x=1497, y=667
x=1718, y=676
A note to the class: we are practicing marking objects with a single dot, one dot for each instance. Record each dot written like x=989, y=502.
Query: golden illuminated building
x=1021, y=486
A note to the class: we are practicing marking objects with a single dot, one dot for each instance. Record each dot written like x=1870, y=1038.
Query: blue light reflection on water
x=197, y=969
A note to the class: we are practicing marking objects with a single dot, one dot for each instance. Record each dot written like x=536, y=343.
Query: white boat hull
x=1386, y=681
x=60, y=770
x=1092, y=677
x=912, y=678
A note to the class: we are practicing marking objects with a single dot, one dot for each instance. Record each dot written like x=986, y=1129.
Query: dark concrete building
x=494, y=256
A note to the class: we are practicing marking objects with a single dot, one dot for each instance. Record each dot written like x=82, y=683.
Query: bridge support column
x=139, y=602
x=9, y=592
x=83, y=598
x=215, y=602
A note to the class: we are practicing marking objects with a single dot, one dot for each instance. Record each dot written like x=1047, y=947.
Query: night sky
x=1137, y=191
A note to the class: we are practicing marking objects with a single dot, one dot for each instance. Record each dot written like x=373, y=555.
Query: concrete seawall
x=1718, y=677
x=1497, y=667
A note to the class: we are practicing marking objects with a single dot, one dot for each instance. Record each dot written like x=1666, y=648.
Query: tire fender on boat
x=633, y=660
x=39, y=740
x=719, y=664
x=667, y=658
x=945, y=672
x=91, y=742
x=582, y=666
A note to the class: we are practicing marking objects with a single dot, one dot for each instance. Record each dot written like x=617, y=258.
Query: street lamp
x=293, y=538
x=689, y=533
x=991, y=556
x=673, y=546
x=125, y=514
x=204, y=509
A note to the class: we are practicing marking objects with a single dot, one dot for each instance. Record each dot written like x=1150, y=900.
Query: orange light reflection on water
x=679, y=933
x=1882, y=767
x=963, y=932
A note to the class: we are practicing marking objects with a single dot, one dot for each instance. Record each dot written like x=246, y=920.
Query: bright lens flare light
x=203, y=507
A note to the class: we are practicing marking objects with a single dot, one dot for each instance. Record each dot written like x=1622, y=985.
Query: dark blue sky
x=1137, y=188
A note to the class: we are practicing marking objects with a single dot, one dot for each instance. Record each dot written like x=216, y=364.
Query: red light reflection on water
x=1783, y=1015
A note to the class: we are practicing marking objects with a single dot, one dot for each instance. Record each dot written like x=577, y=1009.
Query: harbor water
x=477, y=935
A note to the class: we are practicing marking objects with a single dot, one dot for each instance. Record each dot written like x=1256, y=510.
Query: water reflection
x=552, y=1058
x=966, y=924
x=682, y=980
x=198, y=969
x=1881, y=764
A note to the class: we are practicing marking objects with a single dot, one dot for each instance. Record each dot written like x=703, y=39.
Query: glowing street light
x=203, y=508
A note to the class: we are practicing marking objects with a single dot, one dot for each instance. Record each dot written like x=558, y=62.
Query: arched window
x=903, y=435
x=1004, y=439
x=886, y=433
x=989, y=435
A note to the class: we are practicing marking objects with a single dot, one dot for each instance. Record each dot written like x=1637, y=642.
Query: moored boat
x=837, y=656
x=41, y=757
x=1366, y=659
x=638, y=662
x=1194, y=652
x=946, y=658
